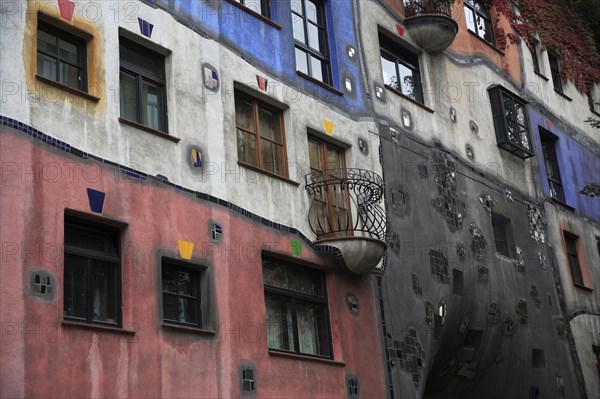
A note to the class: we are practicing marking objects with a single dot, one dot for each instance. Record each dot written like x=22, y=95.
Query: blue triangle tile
x=96, y=199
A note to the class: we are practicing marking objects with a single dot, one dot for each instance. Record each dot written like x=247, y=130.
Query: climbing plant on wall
x=560, y=27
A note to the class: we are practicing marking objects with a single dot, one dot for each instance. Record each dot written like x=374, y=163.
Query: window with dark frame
x=310, y=39
x=479, y=20
x=502, y=234
x=400, y=68
x=261, y=7
x=181, y=293
x=260, y=134
x=555, y=72
x=551, y=162
x=571, y=247
x=510, y=121
x=296, y=307
x=142, y=85
x=92, y=275
x=61, y=57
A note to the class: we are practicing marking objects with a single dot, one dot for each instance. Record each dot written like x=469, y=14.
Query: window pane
x=296, y=7
x=314, y=37
x=128, y=96
x=279, y=322
x=74, y=284
x=47, y=42
x=334, y=162
x=287, y=277
x=407, y=81
x=269, y=125
x=244, y=115
x=272, y=157
x=575, y=270
x=317, y=68
x=301, y=63
x=247, y=147
x=46, y=66
x=182, y=282
x=319, y=215
x=254, y=5
x=298, y=24
x=170, y=307
x=470, y=19
x=312, y=328
x=388, y=66
x=70, y=76
x=69, y=52
x=151, y=105
x=314, y=154
x=312, y=10
x=104, y=295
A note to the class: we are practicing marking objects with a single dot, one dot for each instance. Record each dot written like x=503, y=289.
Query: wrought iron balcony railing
x=346, y=204
x=414, y=7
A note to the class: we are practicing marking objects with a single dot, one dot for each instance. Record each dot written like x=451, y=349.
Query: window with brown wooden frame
x=331, y=207
x=260, y=135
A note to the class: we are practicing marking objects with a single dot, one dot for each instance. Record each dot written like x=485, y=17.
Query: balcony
x=430, y=23
x=345, y=214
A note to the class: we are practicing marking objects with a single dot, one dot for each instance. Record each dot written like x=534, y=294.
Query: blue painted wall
x=272, y=50
x=578, y=166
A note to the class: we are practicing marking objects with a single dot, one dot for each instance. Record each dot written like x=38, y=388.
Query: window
x=181, y=292
x=400, y=69
x=502, y=234
x=571, y=247
x=478, y=20
x=260, y=135
x=142, y=86
x=258, y=6
x=551, y=162
x=296, y=305
x=555, y=72
x=92, y=278
x=310, y=39
x=61, y=57
x=510, y=121
x=330, y=211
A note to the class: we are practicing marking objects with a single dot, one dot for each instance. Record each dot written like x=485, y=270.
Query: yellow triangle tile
x=185, y=249
x=329, y=126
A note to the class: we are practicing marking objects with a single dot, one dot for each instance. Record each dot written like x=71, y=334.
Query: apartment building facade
x=193, y=204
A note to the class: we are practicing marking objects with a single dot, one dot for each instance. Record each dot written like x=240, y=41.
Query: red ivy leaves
x=560, y=28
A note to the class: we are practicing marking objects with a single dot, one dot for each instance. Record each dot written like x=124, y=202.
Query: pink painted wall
x=42, y=358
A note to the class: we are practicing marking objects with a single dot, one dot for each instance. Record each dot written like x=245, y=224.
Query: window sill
x=97, y=327
x=583, y=287
x=538, y=73
x=254, y=13
x=188, y=329
x=69, y=89
x=266, y=172
x=407, y=98
x=490, y=45
x=296, y=356
x=318, y=82
x=563, y=95
x=563, y=204
x=150, y=130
